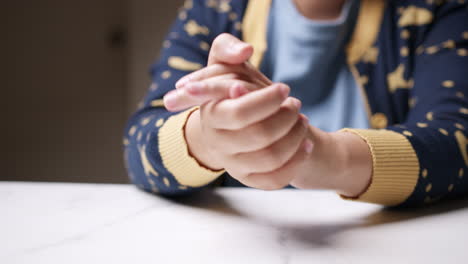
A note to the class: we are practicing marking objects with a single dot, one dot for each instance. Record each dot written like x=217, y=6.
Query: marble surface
x=89, y=223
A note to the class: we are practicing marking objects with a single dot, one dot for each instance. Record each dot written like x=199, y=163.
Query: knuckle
x=239, y=83
x=274, y=94
x=260, y=134
x=200, y=75
x=234, y=76
x=288, y=110
x=273, y=184
x=280, y=87
x=236, y=116
x=272, y=159
x=238, y=173
x=217, y=67
x=210, y=87
x=280, y=94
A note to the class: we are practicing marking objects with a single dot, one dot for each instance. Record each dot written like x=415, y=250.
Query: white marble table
x=89, y=223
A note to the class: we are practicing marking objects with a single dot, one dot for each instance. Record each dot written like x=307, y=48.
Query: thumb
x=229, y=50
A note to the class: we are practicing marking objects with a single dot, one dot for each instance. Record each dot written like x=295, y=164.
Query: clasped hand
x=250, y=126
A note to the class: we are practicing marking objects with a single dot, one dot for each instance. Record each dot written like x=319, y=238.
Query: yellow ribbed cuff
x=395, y=167
x=175, y=154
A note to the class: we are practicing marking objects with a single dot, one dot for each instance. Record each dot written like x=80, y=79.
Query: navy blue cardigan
x=410, y=59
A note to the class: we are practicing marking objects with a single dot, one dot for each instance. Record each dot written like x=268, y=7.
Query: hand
x=251, y=145
x=306, y=158
x=254, y=134
x=251, y=136
x=341, y=162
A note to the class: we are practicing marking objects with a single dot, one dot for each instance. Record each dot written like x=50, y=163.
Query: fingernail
x=305, y=121
x=170, y=99
x=308, y=146
x=284, y=90
x=243, y=90
x=237, y=90
x=297, y=103
x=195, y=88
x=239, y=46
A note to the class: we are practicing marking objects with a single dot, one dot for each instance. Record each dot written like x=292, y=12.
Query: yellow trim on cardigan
x=366, y=30
x=175, y=154
x=365, y=33
x=254, y=28
x=395, y=164
x=255, y=22
x=395, y=167
x=157, y=103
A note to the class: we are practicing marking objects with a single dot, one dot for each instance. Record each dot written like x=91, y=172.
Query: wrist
x=355, y=164
x=195, y=142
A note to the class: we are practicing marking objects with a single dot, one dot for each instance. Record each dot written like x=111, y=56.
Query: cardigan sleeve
x=155, y=150
x=425, y=158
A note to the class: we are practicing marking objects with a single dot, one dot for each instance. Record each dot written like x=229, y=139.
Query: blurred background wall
x=72, y=72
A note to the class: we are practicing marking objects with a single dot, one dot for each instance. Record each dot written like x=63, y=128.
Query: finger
x=198, y=93
x=237, y=91
x=258, y=74
x=241, y=71
x=177, y=100
x=283, y=176
x=228, y=49
x=209, y=72
x=262, y=134
x=277, y=154
x=217, y=88
x=234, y=114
